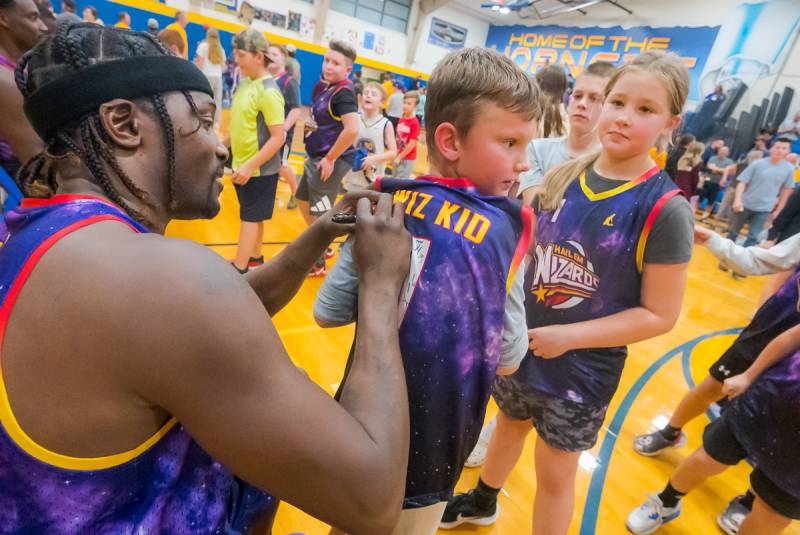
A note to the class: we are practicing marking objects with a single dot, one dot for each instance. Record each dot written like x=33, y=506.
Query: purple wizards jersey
x=588, y=264
x=166, y=485
x=766, y=421
x=466, y=251
x=329, y=126
x=778, y=314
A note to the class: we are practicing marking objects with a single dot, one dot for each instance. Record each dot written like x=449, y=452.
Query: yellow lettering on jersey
x=477, y=228
x=445, y=214
x=609, y=221
x=465, y=212
x=410, y=204
x=425, y=198
x=401, y=196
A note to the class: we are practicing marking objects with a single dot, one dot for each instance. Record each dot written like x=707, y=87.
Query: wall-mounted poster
x=447, y=35
x=277, y=19
x=369, y=40
x=225, y=5
x=294, y=21
x=307, y=27
x=247, y=13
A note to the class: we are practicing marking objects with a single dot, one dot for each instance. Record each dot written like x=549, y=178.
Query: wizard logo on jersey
x=564, y=276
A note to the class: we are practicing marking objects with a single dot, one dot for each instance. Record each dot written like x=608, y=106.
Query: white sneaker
x=478, y=455
x=650, y=516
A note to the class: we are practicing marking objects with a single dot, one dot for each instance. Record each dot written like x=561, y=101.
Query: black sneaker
x=462, y=509
x=654, y=443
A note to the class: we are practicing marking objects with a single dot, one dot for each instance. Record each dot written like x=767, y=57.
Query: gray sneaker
x=732, y=517
x=654, y=443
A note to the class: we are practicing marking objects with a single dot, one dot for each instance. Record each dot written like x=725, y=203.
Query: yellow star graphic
x=540, y=293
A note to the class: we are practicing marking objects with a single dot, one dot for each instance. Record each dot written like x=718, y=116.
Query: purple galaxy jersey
x=766, y=422
x=167, y=485
x=778, y=314
x=466, y=252
x=588, y=264
x=329, y=126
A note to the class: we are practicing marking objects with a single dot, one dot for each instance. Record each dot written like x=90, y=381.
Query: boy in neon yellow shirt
x=256, y=137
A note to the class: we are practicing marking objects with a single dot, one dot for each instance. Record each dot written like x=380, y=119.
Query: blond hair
x=379, y=88
x=691, y=157
x=465, y=81
x=214, y=47
x=670, y=70
x=413, y=95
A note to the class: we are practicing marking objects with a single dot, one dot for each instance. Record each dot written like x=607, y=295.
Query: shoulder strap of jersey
x=523, y=245
x=648, y=225
x=337, y=88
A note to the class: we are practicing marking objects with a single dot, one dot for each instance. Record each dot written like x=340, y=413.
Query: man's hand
x=738, y=206
x=242, y=175
x=325, y=167
x=702, y=234
x=736, y=385
x=382, y=246
x=347, y=205
x=549, y=342
x=767, y=244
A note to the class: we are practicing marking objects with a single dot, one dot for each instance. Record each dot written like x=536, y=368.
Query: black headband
x=66, y=99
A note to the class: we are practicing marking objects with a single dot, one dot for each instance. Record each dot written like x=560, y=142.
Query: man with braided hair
x=20, y=28
x=141, y=374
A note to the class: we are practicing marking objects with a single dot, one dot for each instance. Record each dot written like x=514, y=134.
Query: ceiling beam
x=623, y=8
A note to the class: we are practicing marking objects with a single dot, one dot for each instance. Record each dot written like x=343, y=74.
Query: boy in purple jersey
x=761, y=423
x=462, y=320
x=140, y=373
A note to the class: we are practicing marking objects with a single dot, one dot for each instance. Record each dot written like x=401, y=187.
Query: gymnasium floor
x=613, y=479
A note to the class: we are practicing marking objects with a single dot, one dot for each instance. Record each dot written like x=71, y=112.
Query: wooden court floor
x=612, y=479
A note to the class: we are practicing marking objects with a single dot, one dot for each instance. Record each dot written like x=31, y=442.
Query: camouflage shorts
x=562, y=424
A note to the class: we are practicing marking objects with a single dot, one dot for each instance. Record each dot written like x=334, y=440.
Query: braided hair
x=74, y=48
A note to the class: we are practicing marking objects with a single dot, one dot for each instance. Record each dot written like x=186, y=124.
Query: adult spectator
x=292, y=65
x=790, y=129
x=181, y=21
x=787, y=223
x=718, y=168
x=762, y=184
x=68, y=13
x=173, y=41
x=718, y=95
x=152, y=27
x=394, y=107
x=123, y=20
x=553, y=82
x=20, y=29
x=712, y=149
x=210, y=57
x=90, y=15
x=674, y=155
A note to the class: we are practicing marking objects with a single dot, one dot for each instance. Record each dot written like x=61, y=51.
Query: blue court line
x=597, y=483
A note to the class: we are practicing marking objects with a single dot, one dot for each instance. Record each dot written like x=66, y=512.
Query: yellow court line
x=197, y=18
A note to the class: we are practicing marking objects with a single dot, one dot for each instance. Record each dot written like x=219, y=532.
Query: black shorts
x=561, y=423
x=731, y=363
x=721, y=444
x=257, y=198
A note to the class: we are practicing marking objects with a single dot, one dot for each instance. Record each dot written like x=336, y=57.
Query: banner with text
x=530, y=47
